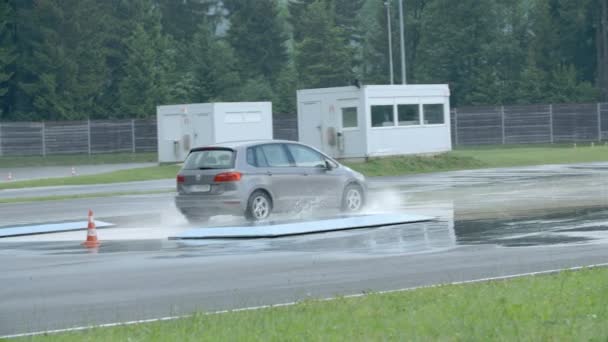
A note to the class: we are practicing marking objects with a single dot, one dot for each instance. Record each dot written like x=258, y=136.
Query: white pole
x=401, y=31
x=43, y=132
x=133, y=135
x=599, y=122
x=390, y=40
x=89, y=135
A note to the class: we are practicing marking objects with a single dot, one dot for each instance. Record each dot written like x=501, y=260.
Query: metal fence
x=533, y=124
x=285, y=127
x=94, y=137
x=77, y=137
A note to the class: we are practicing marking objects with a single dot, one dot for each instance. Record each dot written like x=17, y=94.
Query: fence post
x=456, y=126
x=89, y=135
x=502, y=116
x=551, y=122
x=133, y=134
x=599, y=122
x=43, y=132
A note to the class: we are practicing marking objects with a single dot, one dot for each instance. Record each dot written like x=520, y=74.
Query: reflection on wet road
x=564, y=227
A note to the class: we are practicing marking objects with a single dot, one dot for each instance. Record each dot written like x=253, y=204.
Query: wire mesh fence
x=482, y=125
x=532, y=124
x=77, y=137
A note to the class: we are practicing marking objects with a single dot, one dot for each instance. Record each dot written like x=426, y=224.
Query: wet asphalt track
x=490, y=223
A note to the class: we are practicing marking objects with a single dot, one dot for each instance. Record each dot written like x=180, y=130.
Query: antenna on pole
x=402, y=34
x=387, y=3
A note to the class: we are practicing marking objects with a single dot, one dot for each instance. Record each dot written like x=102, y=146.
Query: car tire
x=259, y=206
x=353, y=199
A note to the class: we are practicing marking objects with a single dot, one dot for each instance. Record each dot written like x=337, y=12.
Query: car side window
x=275, y=155
x=306, y=157
x=251, y=157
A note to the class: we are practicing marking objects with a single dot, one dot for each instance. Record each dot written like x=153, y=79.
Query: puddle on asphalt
x=565, y=227
x=574, y=226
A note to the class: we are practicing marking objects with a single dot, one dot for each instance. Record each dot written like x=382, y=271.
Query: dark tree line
x=77, y=59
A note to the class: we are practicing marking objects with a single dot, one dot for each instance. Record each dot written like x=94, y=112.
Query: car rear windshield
x=207, y=159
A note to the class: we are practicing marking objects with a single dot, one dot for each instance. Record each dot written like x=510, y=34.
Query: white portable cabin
x=375, y=120
x=182, y=127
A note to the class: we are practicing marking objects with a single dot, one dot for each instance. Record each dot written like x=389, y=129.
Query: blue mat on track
x=272, y=230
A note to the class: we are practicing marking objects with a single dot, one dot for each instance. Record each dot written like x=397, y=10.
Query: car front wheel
x=352, y=199
x=259, y=206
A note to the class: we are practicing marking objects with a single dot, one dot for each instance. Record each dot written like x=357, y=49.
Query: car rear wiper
x=207, y=168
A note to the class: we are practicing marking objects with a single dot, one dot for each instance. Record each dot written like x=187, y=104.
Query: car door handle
x=269, y=173
x=304, y=174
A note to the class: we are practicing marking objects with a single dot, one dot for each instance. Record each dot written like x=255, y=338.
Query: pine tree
x=459, y=37
x=565, y=86
x=323, y=58
x=180, y=19
x=376, y=56
x=123, y=18
x=86, y=49
x=257, y=38
x=143, y=87
x=46, y=71
x=531, y=86
x=297, y=9
x=214, y=67
x=285, y=89
x=255, y=89
x=602, y=48
x=61, y=68
x=7, y=56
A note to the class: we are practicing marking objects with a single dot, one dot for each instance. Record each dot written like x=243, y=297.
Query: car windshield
x=210, y=159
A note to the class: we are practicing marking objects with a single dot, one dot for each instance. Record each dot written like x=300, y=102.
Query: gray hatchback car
x=256, y=178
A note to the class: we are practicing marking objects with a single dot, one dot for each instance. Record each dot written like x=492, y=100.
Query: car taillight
x=181, y=178
x=227, y=177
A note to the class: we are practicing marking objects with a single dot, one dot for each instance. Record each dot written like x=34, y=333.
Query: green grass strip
x=79, y=196
x=569, y=306
x=524, y=156
x=394, y=166
x=460, y=159
x=139, y=174
x=78, y=159
x=484, y=157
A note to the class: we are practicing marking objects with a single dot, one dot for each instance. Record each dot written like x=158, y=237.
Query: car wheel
x=352, y=199
x=259, y=206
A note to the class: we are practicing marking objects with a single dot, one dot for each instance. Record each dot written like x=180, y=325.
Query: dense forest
x=77, y=59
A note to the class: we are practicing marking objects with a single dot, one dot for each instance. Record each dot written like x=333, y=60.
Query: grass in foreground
x=570, y=306
x=71, y=160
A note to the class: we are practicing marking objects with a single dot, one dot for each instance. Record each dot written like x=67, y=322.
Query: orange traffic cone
x=91, y=241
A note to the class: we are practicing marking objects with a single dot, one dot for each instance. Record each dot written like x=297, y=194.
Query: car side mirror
x=328, y=165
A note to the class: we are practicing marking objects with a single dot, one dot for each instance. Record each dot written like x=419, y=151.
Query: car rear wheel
x=352, y=199
x=259, y=206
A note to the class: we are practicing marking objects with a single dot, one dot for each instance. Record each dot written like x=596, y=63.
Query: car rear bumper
x=209, y=205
